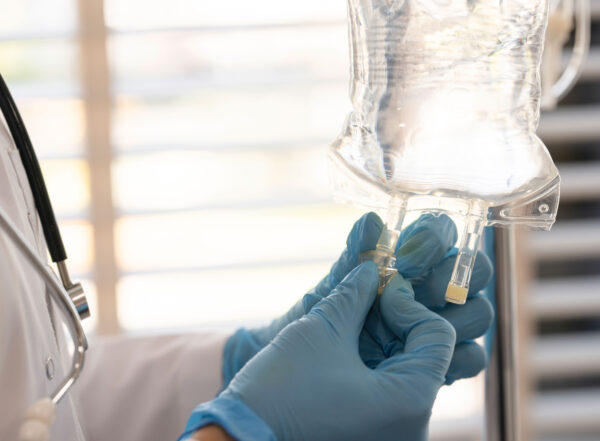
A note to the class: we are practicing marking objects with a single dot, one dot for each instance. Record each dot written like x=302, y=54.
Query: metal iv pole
x=502, y=405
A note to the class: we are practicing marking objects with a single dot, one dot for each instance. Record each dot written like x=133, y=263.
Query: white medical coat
x=131, y=388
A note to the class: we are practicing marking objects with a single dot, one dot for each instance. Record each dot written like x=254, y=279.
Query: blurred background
x=184, y=147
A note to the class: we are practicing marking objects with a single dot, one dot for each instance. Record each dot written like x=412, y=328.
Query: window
x=218, y=128
x=216, y=184
x=184, y=142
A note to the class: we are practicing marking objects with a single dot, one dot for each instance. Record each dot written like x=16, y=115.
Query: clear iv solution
x=445, y=97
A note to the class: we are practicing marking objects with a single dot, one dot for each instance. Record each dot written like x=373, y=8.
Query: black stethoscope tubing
x=34, y=174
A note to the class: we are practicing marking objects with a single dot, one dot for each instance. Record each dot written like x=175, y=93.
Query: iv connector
x=385, y=262
x=384, y=253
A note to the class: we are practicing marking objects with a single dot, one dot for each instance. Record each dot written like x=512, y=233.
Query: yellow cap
x=456, y=294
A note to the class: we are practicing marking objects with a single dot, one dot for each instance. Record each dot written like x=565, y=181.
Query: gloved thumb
x=347, y=306
x=428, y=338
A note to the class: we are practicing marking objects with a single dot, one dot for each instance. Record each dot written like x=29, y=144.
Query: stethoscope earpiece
x=38, y=420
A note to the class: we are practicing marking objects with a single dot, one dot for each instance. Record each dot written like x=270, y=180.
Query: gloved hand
x=310, y=383
x=246, y=343
x=426, y=258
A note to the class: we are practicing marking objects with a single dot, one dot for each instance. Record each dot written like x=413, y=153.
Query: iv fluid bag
x=445, y=97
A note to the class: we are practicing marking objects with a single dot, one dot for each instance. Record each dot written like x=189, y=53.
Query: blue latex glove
x=310, y=383
x=424, y=256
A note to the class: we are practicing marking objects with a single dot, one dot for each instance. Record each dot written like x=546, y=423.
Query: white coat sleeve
x=143, y=388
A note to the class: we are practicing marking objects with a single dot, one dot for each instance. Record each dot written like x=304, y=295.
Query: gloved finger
x=429, y=339
x=376, y=342
x=470, y=320
x=469, y=359
x=424, y=243
x=370, y=352
x=431, y=290
x=239, y=348
x=362, y=237
x=346, y=308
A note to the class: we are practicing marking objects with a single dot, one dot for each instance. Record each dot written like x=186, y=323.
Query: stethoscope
x=69, y=297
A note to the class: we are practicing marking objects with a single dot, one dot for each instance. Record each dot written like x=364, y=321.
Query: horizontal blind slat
x=595, y=9
x=579, y=181
x=566, y=356
x=567, y=240
x=566, y=298
x=567, y=412
x=570, y=124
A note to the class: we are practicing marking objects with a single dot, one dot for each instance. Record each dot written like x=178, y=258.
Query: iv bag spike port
x=458, y=287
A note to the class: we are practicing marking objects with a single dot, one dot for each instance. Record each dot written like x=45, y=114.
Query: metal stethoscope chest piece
x=69, y=297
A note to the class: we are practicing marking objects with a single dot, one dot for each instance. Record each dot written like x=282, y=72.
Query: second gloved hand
x=310, y=382
x=425, y=256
